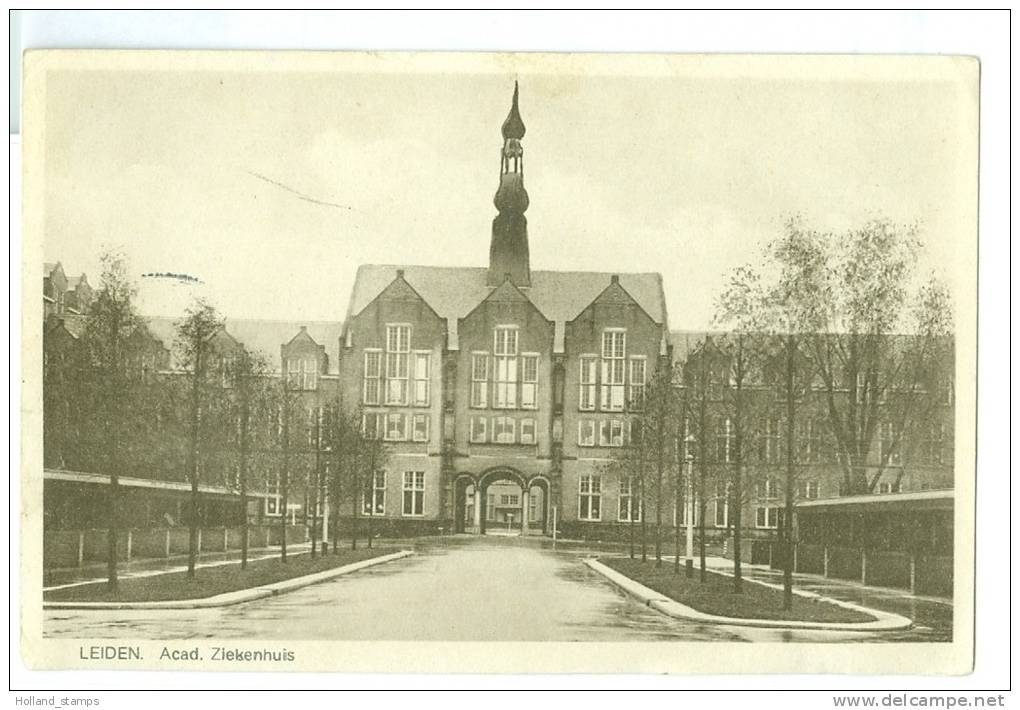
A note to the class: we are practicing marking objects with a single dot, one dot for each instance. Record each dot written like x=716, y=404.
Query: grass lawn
x=210, y=581
x=716, y=596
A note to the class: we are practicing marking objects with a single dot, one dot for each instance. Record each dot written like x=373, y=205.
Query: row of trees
x=216, y=416
x=834, y=352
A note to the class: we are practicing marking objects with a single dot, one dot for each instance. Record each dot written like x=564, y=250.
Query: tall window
x=420, y=430
x=373, y=376
x=586, y=395
x=636, y=398
x=766, y=516
x=889, y=438
x=807, y=489
x=374, y=496
x=614, y=352
x=590, y=498
x=301, y=373
x=630, y=503
x=934, y=443
x=414, y=493
x=528, y=431
x=373, y=425
x=480, y=380
x=273, y=503
x=725, y=439
x=586, y=432
x=611, y=432
x=769, y=444
x=422, y=369
x=529, y=381
x=503, y=430
x=396, y=427
x=479, y=429
x=398, y=353
x=722, y=505
x=505, y=349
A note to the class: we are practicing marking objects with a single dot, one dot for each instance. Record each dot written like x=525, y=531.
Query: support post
x=554, y=524
x=478, y=509
x=864, y=566
x=825, y=560
x=913, y=574
x=127, y=552
x=524, y=513
x=81, y=548
x=166, y=544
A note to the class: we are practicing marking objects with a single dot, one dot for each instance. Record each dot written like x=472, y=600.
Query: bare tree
x=112, y=320
x=194, y=335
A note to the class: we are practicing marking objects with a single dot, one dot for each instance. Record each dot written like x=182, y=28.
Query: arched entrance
x=501, y=500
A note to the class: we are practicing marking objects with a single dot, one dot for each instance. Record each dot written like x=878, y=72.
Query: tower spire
x=508, y=250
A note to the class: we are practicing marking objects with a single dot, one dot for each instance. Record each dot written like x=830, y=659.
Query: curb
x=884, y=621
x=243, y=595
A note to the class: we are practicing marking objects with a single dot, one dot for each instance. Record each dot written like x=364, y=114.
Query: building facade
x=502, y=394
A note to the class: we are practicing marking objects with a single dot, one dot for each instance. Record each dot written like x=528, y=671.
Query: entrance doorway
x=501, y=502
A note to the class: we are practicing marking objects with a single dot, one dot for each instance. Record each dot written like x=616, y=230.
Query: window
x=503, y=430
x=533, y=507
x=510, y=499
x=480, y=380
x=226, y=371
x=529, y=381
x=273, y=490
x=766, y=490
x=614, y=350
x=807, y=489
x=586, y=432
x=373, y=425
x=398, y=347
x=890, y=487
x=590, y=498
x=372, y=377
x=889, y=438
x=479, y=427
x=586, y=395
x=766, y=516
x=636, y=400
x=722, y=505
x=681, y=519
x=933, y=444
x=527, y=431
x=506, y=367
x=373, y=498
x=630, y=503
x=490, y=508
x=769, y=444
x=422, y=362
x=611, y=432
x=421, y=427
x=414, y=493
x=724, y=440
x=396, y=427
x=301, y=373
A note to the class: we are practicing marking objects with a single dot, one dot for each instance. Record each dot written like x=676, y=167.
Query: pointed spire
x=513, y=126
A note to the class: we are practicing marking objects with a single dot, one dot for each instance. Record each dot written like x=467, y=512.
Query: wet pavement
x=459, y=588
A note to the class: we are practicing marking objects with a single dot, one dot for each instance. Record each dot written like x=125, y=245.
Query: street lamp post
x=689, y=564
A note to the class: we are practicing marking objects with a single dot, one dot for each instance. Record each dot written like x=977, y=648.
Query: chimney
x=614, y=279
x=400, y=274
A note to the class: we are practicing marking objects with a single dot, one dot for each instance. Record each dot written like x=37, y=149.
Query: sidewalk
x=150, y=566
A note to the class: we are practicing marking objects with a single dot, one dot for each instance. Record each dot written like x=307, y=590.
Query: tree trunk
x=284, y=484
x=644, y=518
x=242, y=474
x=790, y=477
x=193, y=459
x=315, y=485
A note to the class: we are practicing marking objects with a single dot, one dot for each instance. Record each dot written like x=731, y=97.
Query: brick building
x=503, y=381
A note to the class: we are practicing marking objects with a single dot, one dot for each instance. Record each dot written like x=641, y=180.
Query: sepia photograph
x=499, y=362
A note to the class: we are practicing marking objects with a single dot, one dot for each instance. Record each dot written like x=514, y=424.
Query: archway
x=506, y=503
x=540, y=504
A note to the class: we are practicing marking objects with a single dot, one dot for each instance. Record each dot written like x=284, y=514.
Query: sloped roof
x=262, y=336
x=453, y=292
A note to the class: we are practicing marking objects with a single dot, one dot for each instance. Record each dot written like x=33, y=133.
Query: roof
x=874, y=502
x=453, y=292
x=74, y=324
x=129, y=482
x=262, y=336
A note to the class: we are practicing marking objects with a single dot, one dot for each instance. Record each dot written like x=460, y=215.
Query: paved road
x=454, y=589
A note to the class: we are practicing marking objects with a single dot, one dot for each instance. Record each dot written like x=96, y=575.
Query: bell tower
x=508, y=250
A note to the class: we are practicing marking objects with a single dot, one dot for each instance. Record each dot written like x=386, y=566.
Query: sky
x=271, y=181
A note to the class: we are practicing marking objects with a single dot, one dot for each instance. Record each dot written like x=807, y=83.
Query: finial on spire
x=513, y=126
